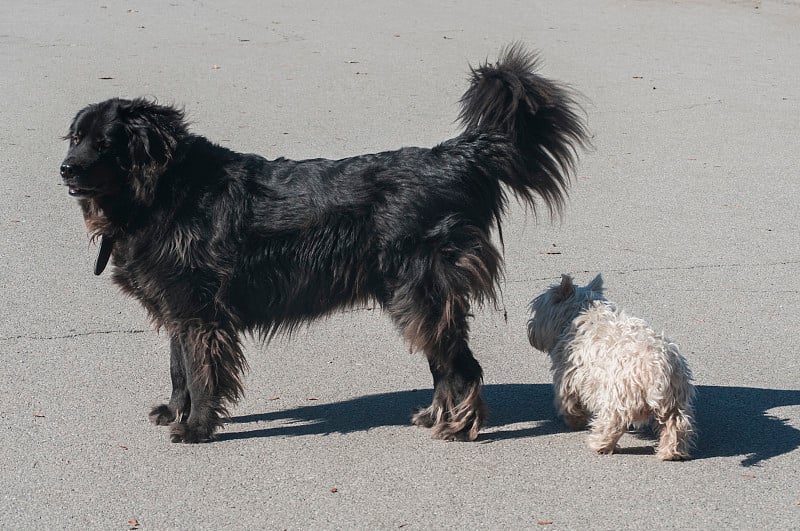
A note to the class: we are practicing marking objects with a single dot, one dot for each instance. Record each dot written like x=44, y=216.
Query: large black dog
x=214, y=242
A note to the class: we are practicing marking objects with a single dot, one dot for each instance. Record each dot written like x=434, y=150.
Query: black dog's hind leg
x=213, y=362
x=179, y=403
x=457, y=411
x=432, y=311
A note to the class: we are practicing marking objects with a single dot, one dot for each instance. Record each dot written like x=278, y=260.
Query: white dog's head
x=555, y=309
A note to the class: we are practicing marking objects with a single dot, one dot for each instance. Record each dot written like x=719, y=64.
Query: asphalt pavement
x=686, y=203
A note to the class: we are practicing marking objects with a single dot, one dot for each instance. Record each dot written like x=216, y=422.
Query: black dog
x=214, y=242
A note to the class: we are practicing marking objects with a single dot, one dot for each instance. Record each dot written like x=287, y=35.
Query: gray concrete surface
x=687, y=204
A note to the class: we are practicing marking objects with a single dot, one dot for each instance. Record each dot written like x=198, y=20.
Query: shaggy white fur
x=611, y=370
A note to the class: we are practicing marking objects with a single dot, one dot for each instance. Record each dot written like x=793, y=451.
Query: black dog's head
x=120, y=147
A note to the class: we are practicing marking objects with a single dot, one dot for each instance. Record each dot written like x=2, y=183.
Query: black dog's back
x=338, y=233
x=214, y=242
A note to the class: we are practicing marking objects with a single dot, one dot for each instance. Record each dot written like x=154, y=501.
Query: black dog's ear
x=153, y=132
x=73, y=126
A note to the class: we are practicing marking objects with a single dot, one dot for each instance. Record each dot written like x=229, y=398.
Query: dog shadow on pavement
x=508, y=404
x=731, y=421
x=736, y=421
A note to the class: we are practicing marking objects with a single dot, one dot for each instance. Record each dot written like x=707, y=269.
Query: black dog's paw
x=424, y=417
x=460, y=423
x=162, y=415
x=181, y=432
x=453, y=431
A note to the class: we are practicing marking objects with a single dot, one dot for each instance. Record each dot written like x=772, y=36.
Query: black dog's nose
x=66, y=170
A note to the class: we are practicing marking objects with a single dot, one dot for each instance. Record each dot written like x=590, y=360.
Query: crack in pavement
x=76, y=334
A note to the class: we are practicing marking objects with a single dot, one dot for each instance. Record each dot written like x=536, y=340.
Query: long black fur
x=214, y=243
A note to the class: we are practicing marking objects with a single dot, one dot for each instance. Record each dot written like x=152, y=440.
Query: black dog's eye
x=75, y=140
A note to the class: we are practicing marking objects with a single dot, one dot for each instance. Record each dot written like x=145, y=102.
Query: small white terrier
x=612, y=370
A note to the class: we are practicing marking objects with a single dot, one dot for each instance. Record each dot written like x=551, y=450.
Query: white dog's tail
x=539, y=116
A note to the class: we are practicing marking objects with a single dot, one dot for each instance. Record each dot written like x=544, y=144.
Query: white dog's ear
x=566, y=289
x=596, y=284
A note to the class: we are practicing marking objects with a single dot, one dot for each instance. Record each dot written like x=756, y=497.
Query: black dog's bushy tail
x=539, y=116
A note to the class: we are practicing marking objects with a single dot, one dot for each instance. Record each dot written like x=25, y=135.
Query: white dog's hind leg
x=570, y=409
x=607, y=428
x=676, y=432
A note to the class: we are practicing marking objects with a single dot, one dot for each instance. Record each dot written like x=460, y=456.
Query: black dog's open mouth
x=79, y=193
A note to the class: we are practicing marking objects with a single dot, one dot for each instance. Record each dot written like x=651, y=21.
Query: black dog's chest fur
x=268, y=242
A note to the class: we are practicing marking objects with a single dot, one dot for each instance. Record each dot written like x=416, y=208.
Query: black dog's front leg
x=179, y=404
x=212, y=365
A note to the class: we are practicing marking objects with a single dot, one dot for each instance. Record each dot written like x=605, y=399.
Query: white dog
x=612, y=370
